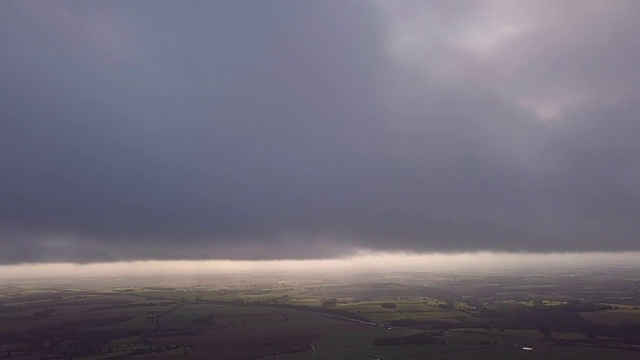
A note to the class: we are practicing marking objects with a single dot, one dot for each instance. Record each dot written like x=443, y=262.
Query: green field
x=405, y=309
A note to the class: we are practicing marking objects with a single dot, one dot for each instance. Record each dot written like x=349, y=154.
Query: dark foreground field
x=563, y=315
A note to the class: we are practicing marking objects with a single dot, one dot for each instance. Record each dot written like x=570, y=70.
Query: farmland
x=328, y=316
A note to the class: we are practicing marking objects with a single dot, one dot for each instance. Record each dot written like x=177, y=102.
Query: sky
x=273, y=130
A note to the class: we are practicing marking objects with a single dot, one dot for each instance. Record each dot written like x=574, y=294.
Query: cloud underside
x=315, y=130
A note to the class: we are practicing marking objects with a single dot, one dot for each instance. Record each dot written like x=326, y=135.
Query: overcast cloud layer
x=288, y=129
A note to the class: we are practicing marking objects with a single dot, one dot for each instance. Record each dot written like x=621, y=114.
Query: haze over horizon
x=477, y=263
x=237, y=130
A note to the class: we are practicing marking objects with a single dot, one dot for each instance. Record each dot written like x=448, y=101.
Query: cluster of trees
x=330, y=302
x=450, y=305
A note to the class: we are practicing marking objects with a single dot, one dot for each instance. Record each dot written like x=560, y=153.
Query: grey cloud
x=294, y=130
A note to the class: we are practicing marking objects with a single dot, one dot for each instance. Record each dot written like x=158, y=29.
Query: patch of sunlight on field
x=415, y=309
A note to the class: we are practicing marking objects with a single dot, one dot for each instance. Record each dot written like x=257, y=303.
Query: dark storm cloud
x=302, y=130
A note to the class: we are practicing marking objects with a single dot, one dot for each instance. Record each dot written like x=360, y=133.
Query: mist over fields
x=286, y=130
